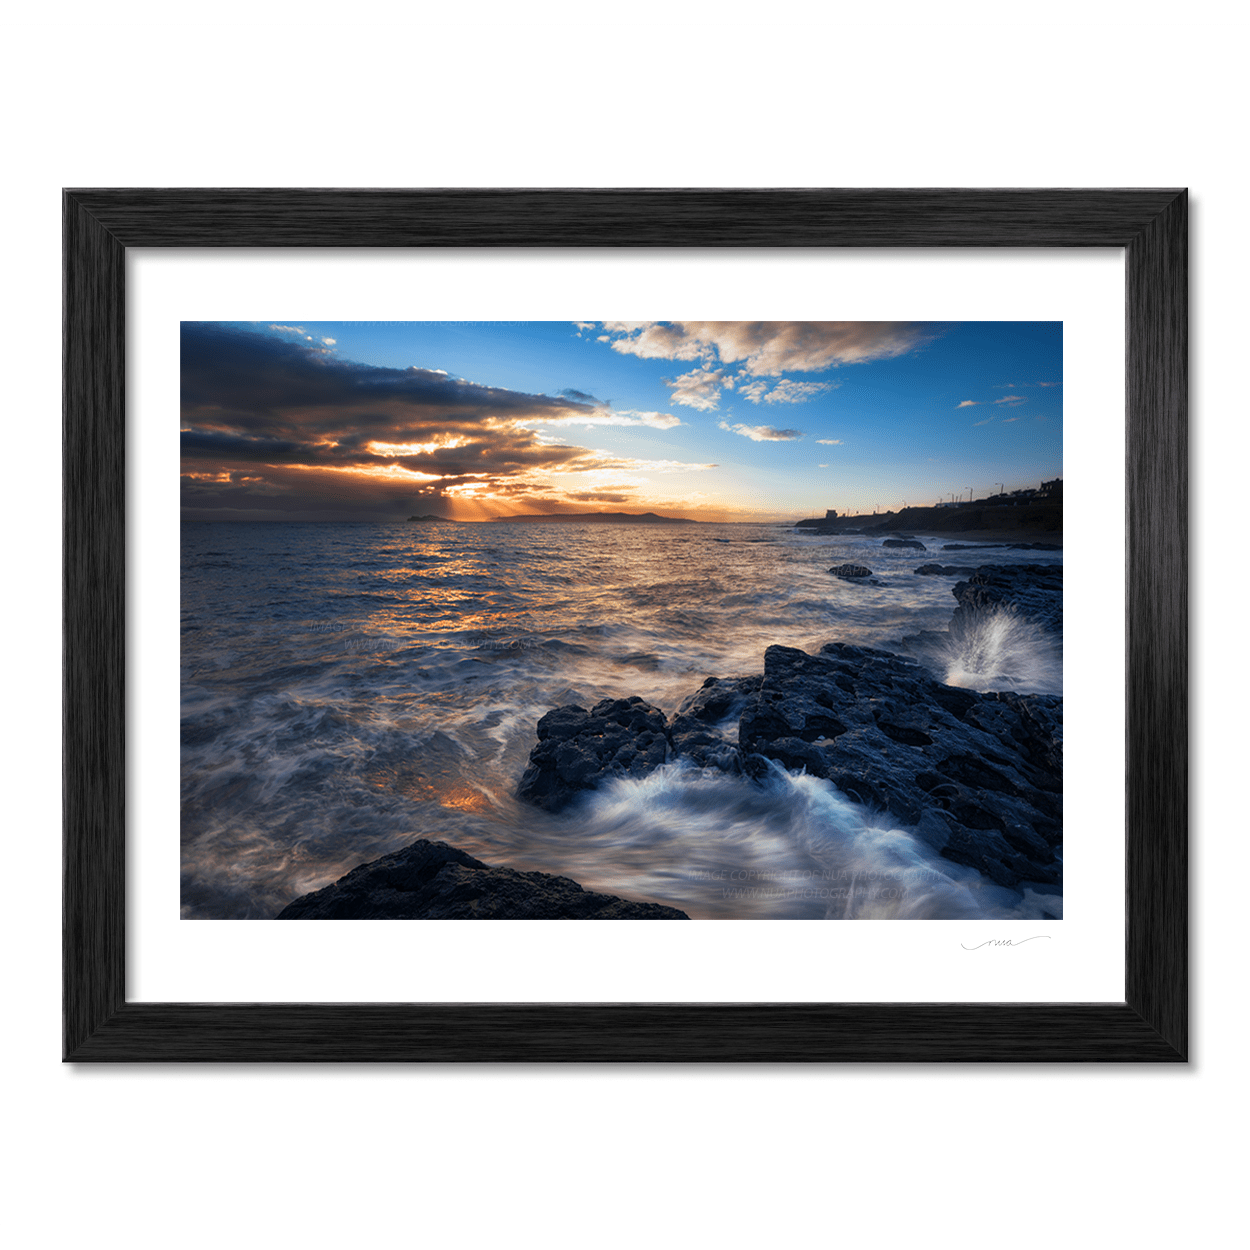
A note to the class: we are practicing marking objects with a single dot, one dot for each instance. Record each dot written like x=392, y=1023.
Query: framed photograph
x=422, y=466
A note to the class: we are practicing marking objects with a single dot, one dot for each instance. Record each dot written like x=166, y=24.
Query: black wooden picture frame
x=101, y=1026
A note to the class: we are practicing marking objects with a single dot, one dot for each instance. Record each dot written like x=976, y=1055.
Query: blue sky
x=712, y=420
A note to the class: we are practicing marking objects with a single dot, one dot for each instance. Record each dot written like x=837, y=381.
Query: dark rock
x=905, y=542
x=578, y=750
x=1027, y=655
x=944, y=570
x=1003, y=547
x=434, y=881
x=697, y=731
x=1036, y=590
x=850, y=572
x=979, y=776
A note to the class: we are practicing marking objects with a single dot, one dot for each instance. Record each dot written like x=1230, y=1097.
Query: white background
x=652, y=95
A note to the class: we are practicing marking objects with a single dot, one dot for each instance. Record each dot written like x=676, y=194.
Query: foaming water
x=721, y=846
x=995, y=648
x=347, y=688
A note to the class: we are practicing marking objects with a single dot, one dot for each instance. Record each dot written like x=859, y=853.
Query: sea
x=348, y=688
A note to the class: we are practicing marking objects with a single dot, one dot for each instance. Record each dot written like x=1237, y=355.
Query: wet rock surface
x=578, y=750
x=1036, y=590
x=1002, y=547
x=945, y=570
x=434, y=881
x=700, y=730
x=978, y=775
x=905, y=542
x=851, y=572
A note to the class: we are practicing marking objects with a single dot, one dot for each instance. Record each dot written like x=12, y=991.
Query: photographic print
x=622, y=620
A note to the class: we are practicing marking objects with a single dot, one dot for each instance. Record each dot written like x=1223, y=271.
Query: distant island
x=429, y=516
x=616, y=518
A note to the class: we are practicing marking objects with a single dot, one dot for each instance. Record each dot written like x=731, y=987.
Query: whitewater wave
x=995, y=648
x=793, y=847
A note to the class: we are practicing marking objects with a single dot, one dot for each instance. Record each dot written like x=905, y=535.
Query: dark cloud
x=762, y=433
x=260, y=374
x=580, y=396
x=220, y=445
x=274, y=426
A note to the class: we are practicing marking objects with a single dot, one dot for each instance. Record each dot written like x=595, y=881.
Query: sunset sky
x=714, y=420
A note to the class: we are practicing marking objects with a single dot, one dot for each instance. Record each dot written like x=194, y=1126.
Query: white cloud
x=329, y=342
x=785, y=392
x=768, y=348
x=657, y=341
x=830, y=442
x=1009, y=420
x=605, y=416
x=967, y=403
x=288, y=329
x=584, y=325
x=985, y=422
x=790, y=392
x=700, y=389
x=658, y=420
x=1013, y=401
x=625, y=327
x=762, y=433
x=603, y=462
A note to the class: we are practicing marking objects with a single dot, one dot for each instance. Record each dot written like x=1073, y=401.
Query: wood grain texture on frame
x=100, y=1025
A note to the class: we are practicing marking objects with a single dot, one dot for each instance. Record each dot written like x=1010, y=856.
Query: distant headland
x=429, y=516
x=1038, y=511
x=615, y=518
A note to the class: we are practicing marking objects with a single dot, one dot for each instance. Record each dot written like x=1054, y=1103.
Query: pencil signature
x=1005, y=942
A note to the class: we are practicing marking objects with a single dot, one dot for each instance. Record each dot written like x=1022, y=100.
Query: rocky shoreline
x=433, y=881
x=978, y=775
